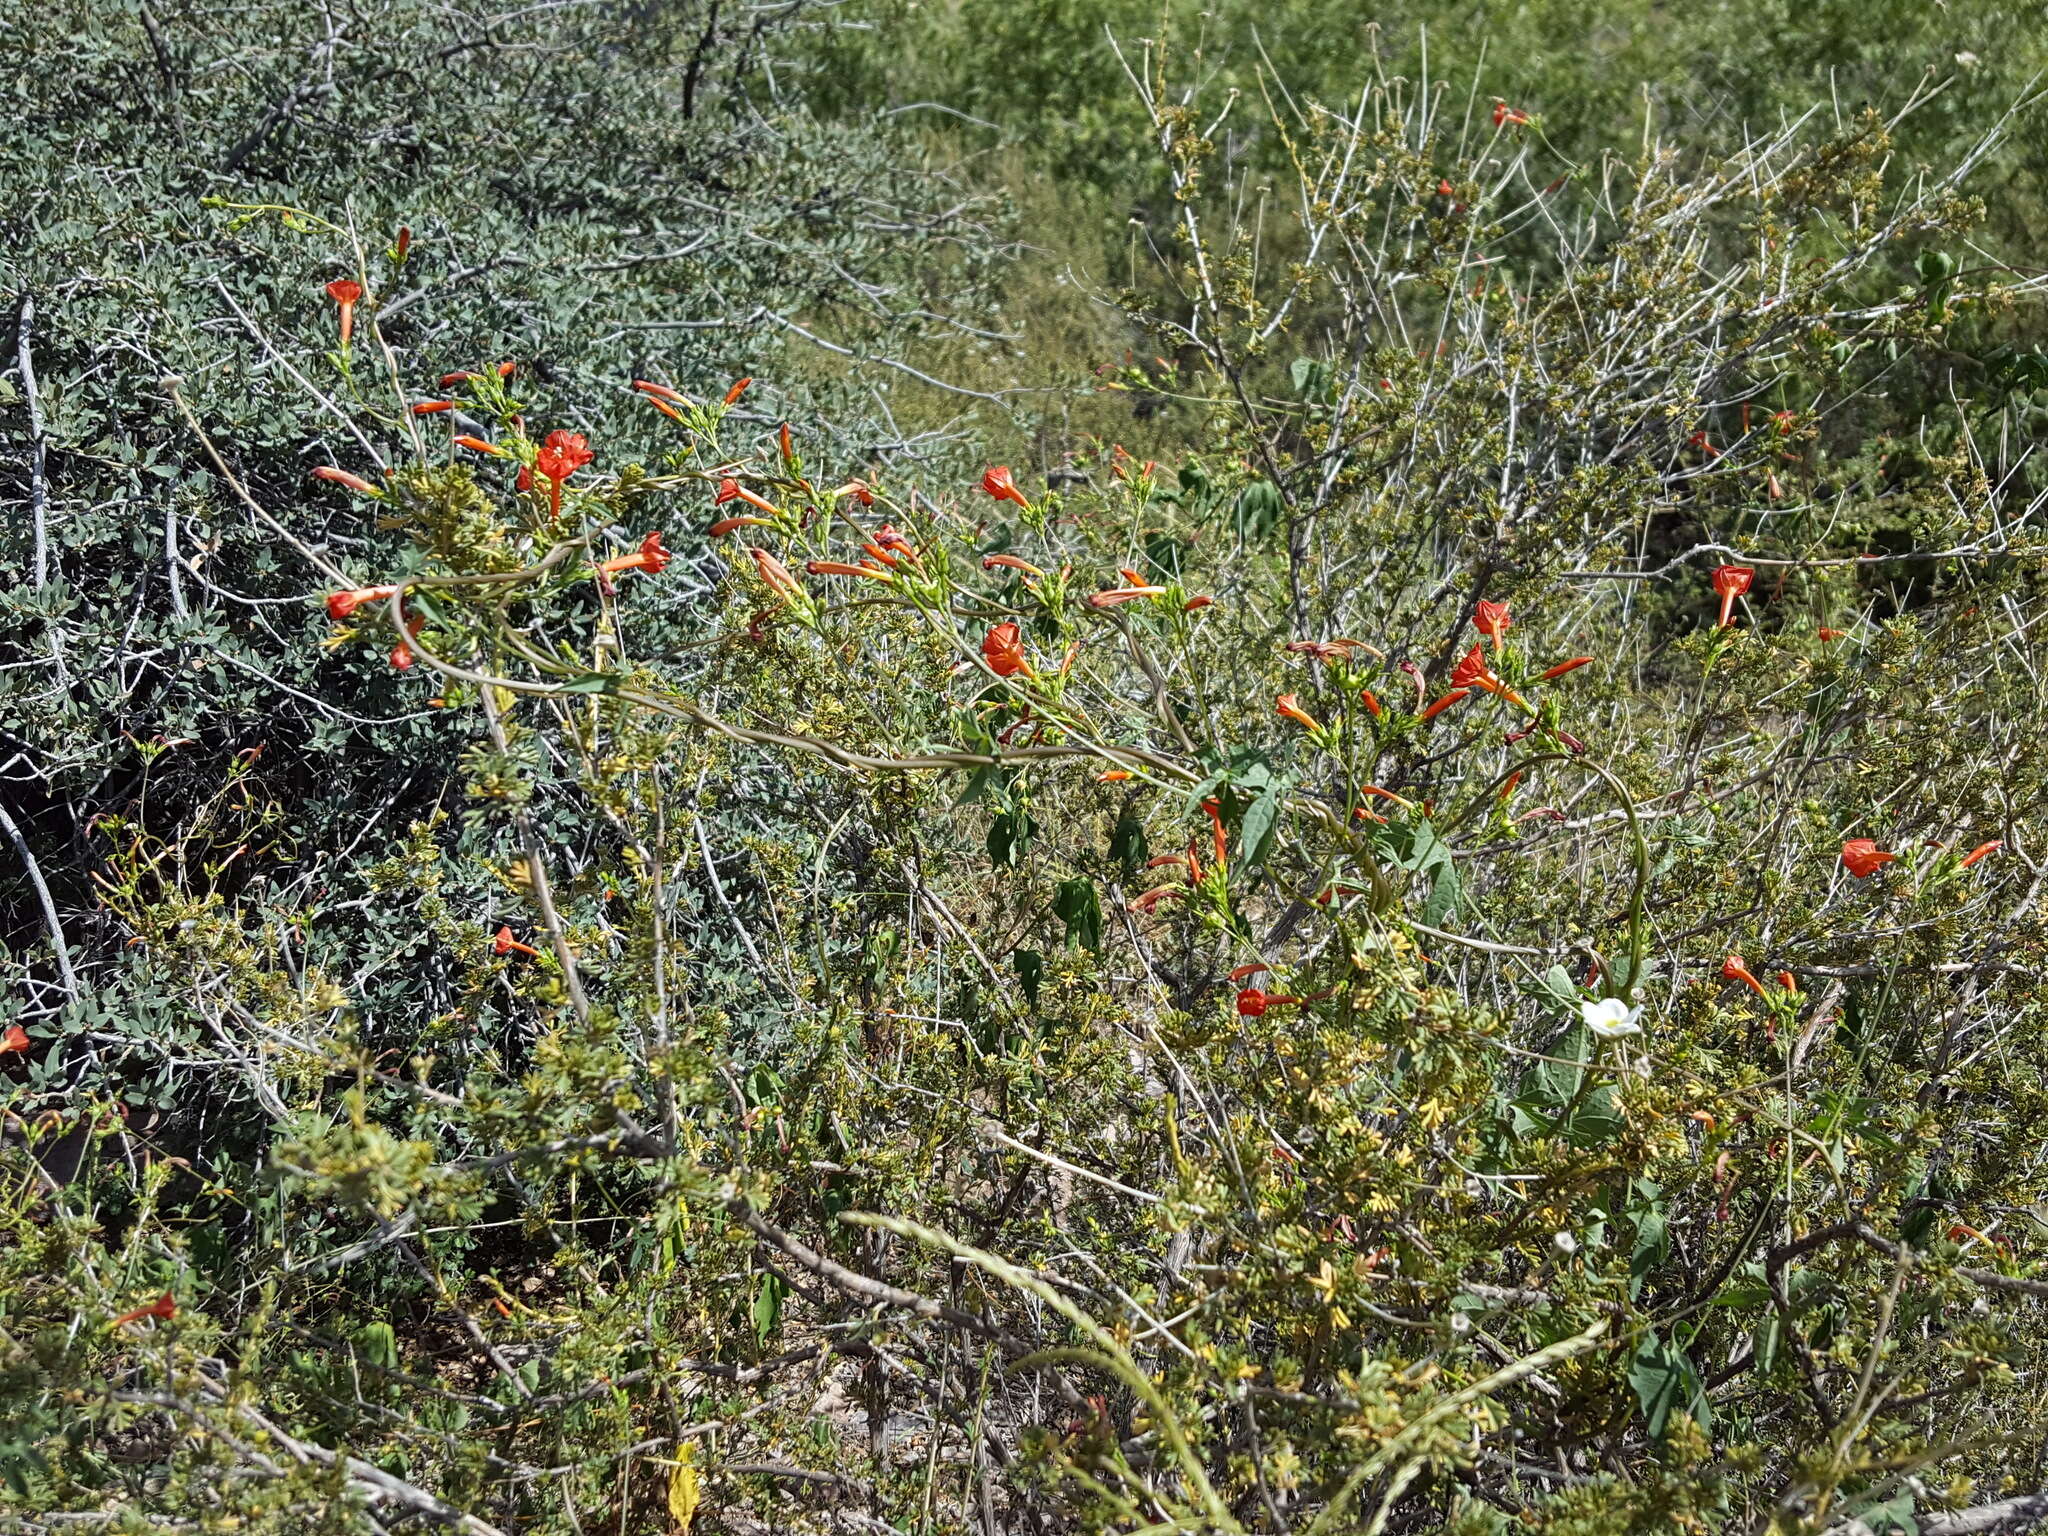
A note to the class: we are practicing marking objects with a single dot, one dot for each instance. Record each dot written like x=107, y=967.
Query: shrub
x=1338, y=984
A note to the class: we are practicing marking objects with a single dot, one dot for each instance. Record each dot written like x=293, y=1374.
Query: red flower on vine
x=164, y=1308
x=505, y=944
x=1565, y=666
x=1731, y=581
x=15, y=1039
x=560, y=457
x=1003, y=649
x=343, y=477
x=1732, y=969
x=997, y=482
x=1863, y=858
x=341, y=604
x=651, y=558
x=1438, y=706
x=1252, y=1003
x=1982, y=850
x=1492, y=620
x=348, y=293
x=1289, y=706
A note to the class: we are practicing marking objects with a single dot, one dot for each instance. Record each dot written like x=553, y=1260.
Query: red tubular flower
x=343, y=477
x=1863, y=858
x=164, y=1308
x=1492, y=620
x=732, y=396
x=1214, y=812
x=341, y=604
x=1980, y=851
x=652, y=558
x=1503, y=113
x=450, y=380
x=1473, y=672
x=402, y=247
x=1288, y=705
x=1117, y=595
x=889, y=538
x=857, y=491
x=347, y=293
x=841, y=568
x=728, y=490
x=782, y=441
x=1444, y=189
x=1832, y=634
x=433, y=407
x=506, y=370
x=1701, y=441
x=725, y=525
x=401, y=653
x=1444, y=703
x=1731, y=581
x=1194, y=603
x=505, y=944
x=478, y=445
x=15, y=1039
x=660, y=391
x=1249, y=970
x=1565, y=666
x=1003, y=649
x=664, y=407
x=1114, y=776
x=997, y=482
x=1152, y=898
x=775, y=573
x=1324, y=651
x=560, y=456
x=1010, y=562
x=1788, y=981
x=1732, y=969
x=1252, y=1003
x=1507, y=787
x=1366, y=698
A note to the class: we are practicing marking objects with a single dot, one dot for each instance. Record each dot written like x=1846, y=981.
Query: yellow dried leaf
x=683, y=1491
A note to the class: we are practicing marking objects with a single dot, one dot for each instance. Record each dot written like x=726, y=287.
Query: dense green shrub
x=1332, y=985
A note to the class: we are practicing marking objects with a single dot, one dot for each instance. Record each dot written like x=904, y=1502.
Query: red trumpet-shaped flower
x=1194, y=603
x=651, y=558
x=776, y=574
x=1565, y=666
x=660, y=391
x=343, y=477
x=164, y=1308
x=1492, y=620
x=15, y=1039
x=1731, y=581
x=1365, y=697
x=505, y=944
x=725, y=525
x=1438, y=706
x=1982, y=850
x=401, y=653
x=1252, y=1003
x=1011, y=563
x=732, y=396
x=1503, y=113
x=478, y=445
x=341, y=604
x=997, y=482
x=348, y=293
x=1116, y=595
x=432, y=407
x=1863, y=858
x=1473, y=672
x=1732, y=969
x=1288, y=705
x=560, y=456
x=1003, y=649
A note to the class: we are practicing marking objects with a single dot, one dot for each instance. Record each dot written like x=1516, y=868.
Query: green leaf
x=768, y=1305
x=1077, y=905
x=1664, y=1382
x=1029, y=965
x=1128, y=844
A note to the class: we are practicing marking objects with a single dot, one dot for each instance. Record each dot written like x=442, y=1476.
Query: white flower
x=1611, y=1018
